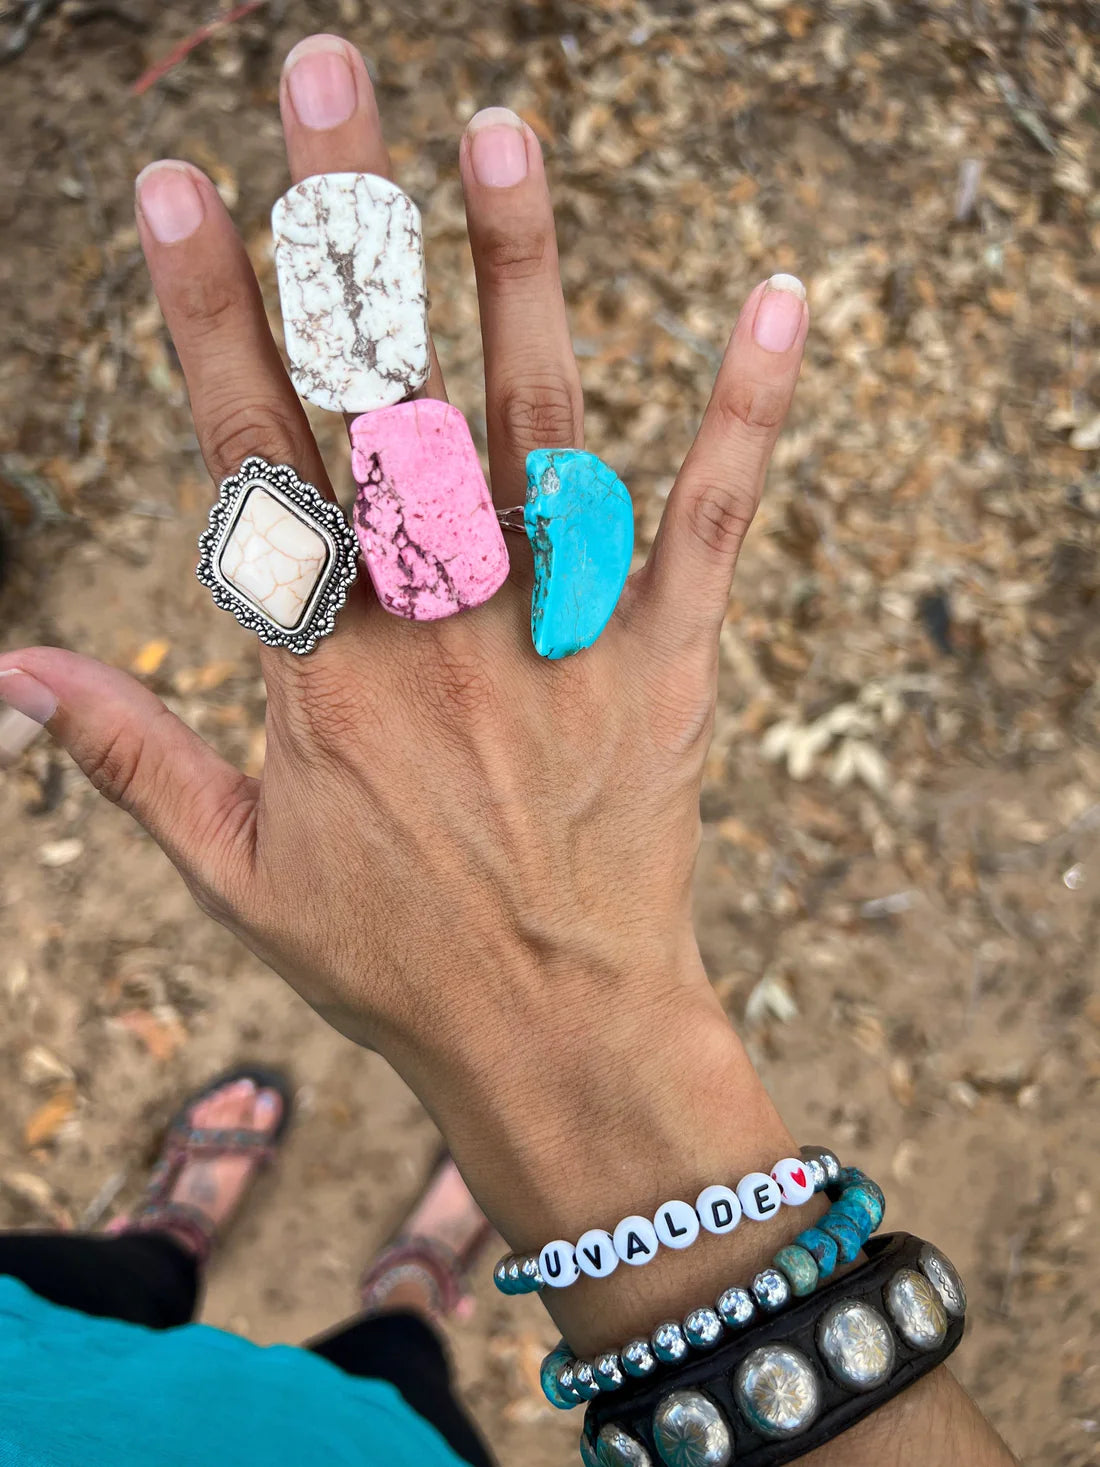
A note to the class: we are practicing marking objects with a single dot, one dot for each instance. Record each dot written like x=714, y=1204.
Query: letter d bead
x=719, y=1209
x=558, y=1264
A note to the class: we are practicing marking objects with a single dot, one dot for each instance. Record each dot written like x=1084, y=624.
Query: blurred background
x=899, y=892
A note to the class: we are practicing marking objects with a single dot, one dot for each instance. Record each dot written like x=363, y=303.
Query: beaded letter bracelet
x=636, y=1240
x=857, y=1212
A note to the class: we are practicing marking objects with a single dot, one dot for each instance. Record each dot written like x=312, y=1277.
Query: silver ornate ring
x=278, y=555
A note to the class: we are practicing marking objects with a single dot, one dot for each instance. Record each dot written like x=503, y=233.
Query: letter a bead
x=676, y=1224
x=794, y=1181
x=719, y=1209
x=635, y=1240
x=596, y=1254
x=760, y=1196
x=558, y=1265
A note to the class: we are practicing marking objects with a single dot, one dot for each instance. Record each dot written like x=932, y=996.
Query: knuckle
x=755, y=408
x=461, y=684
x=121, y=768
x=326, y=712
x=539, y=413
x=208, y=302
x=720, y=516
x=236, y=428
x=509, y=256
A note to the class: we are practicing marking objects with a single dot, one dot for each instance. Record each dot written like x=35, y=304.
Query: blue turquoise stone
x=580, y=522
x=548, y=1378
x=821, y=1248
x=799, y=1267
x=846, y=1233
x=860, y=1203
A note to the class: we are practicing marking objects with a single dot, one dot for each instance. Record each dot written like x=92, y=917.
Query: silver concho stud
x=916, y=1309
x=856, y=1344
x=942, y=1274
x=777, y=1390
x=277, y=555
x=616, y=1448
x=690, y=1431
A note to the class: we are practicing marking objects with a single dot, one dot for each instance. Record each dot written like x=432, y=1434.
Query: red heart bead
x=799, y=1177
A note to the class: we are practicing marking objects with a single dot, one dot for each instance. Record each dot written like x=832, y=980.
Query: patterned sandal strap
x=422, y=1259
x=198, y=1141
x=181, y=1221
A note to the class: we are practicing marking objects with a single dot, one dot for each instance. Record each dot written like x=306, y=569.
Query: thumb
x=197, y=807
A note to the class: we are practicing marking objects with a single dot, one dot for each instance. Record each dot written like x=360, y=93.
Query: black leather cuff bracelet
x=795, y=1380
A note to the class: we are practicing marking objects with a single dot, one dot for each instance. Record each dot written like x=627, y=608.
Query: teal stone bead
x=845, y=1231
x=860, y=1203
x=548, y=1378
x=800, y=1269
x=580, y=522
x=821, y=1248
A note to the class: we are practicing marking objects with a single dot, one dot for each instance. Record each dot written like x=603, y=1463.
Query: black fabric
x=150, y=1279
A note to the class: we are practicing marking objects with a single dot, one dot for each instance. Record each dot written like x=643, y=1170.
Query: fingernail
x=170, y=202
x=265, y=1109
x=779, y=314
x=320, y=82
x=27, y=695
x=498, y=147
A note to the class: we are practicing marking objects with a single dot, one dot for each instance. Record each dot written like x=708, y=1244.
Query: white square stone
x=273, y=557
x=350, y=261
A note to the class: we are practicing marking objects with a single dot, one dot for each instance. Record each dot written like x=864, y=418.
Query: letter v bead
x=596, y=1254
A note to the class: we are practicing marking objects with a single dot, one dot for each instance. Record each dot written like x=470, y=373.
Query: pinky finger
x=197, y=807
x=686, y=584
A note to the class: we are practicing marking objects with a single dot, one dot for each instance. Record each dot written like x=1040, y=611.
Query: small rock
x=61, y=852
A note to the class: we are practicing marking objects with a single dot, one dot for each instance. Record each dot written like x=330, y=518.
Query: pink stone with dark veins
x=423, y=514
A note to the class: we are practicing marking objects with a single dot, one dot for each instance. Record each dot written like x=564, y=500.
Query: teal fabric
x=82, y=1392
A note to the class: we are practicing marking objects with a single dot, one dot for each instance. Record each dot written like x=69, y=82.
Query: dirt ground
x=899, y=894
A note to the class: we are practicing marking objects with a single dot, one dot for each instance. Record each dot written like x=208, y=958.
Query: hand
x=457, y=852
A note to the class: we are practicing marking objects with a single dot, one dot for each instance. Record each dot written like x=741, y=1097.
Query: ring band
x=278, y=555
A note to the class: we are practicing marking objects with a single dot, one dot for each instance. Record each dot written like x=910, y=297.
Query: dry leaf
x=48, y=1119
x=161, y=1031
x=149, y=659
x=40, y=1066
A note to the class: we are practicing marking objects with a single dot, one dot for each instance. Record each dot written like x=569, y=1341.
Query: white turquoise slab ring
x=278, y=555
x=349, y=256
x=580, y=522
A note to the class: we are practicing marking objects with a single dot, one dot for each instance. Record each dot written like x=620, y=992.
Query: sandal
x=441, y=1270
x=184, y=1143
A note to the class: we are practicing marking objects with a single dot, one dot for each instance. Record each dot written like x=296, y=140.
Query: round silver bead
x=608, y=1370
x=827, y=1158
x=513, y=1275
x=588, y=1452
x=702, y=1329
x=916, y=1309
x=771, y=1290
x=638, y=1359
x=942, y=1274
x=669, y=1344
x=565, y=1383
x=817, y=1173
x=778, y=1391
x=500, y=1274
x=736, y=1307
x=690, y=1431
x=530, y=1275
x=616, y=1448
x=584, y=1381
x=856, y=1344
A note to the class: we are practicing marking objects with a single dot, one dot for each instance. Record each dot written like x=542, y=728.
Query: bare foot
x=215, y=1185
x=448, y=1219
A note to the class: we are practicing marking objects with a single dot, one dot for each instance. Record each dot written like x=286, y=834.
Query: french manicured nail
x=170, y=201
x=320, y=82
x=498, y=147
x=779, y=314
x=27, y=695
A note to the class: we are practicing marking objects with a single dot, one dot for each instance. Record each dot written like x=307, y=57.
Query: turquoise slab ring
x=580, y=522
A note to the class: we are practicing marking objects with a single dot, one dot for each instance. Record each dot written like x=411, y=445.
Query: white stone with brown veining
x=350, y=261
x=273, y=557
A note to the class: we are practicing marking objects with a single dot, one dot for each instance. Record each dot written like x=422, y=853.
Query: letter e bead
x=558, y=1264
x=760, y=1196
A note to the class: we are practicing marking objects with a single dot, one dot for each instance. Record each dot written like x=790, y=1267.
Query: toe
x=266, y=1111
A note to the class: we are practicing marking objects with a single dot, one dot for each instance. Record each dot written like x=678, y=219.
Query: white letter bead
x=719, y=1209
x=795, y=1182
x=635, y=1240
x=596, y=1254
x=676, y=1224
x=760, y=1196
x=558, y=1264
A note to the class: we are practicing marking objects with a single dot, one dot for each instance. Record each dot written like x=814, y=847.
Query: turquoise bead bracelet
x=857, y=1210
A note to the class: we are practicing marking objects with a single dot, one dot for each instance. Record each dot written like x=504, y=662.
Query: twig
x=1026, y=116
x=185, y=47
